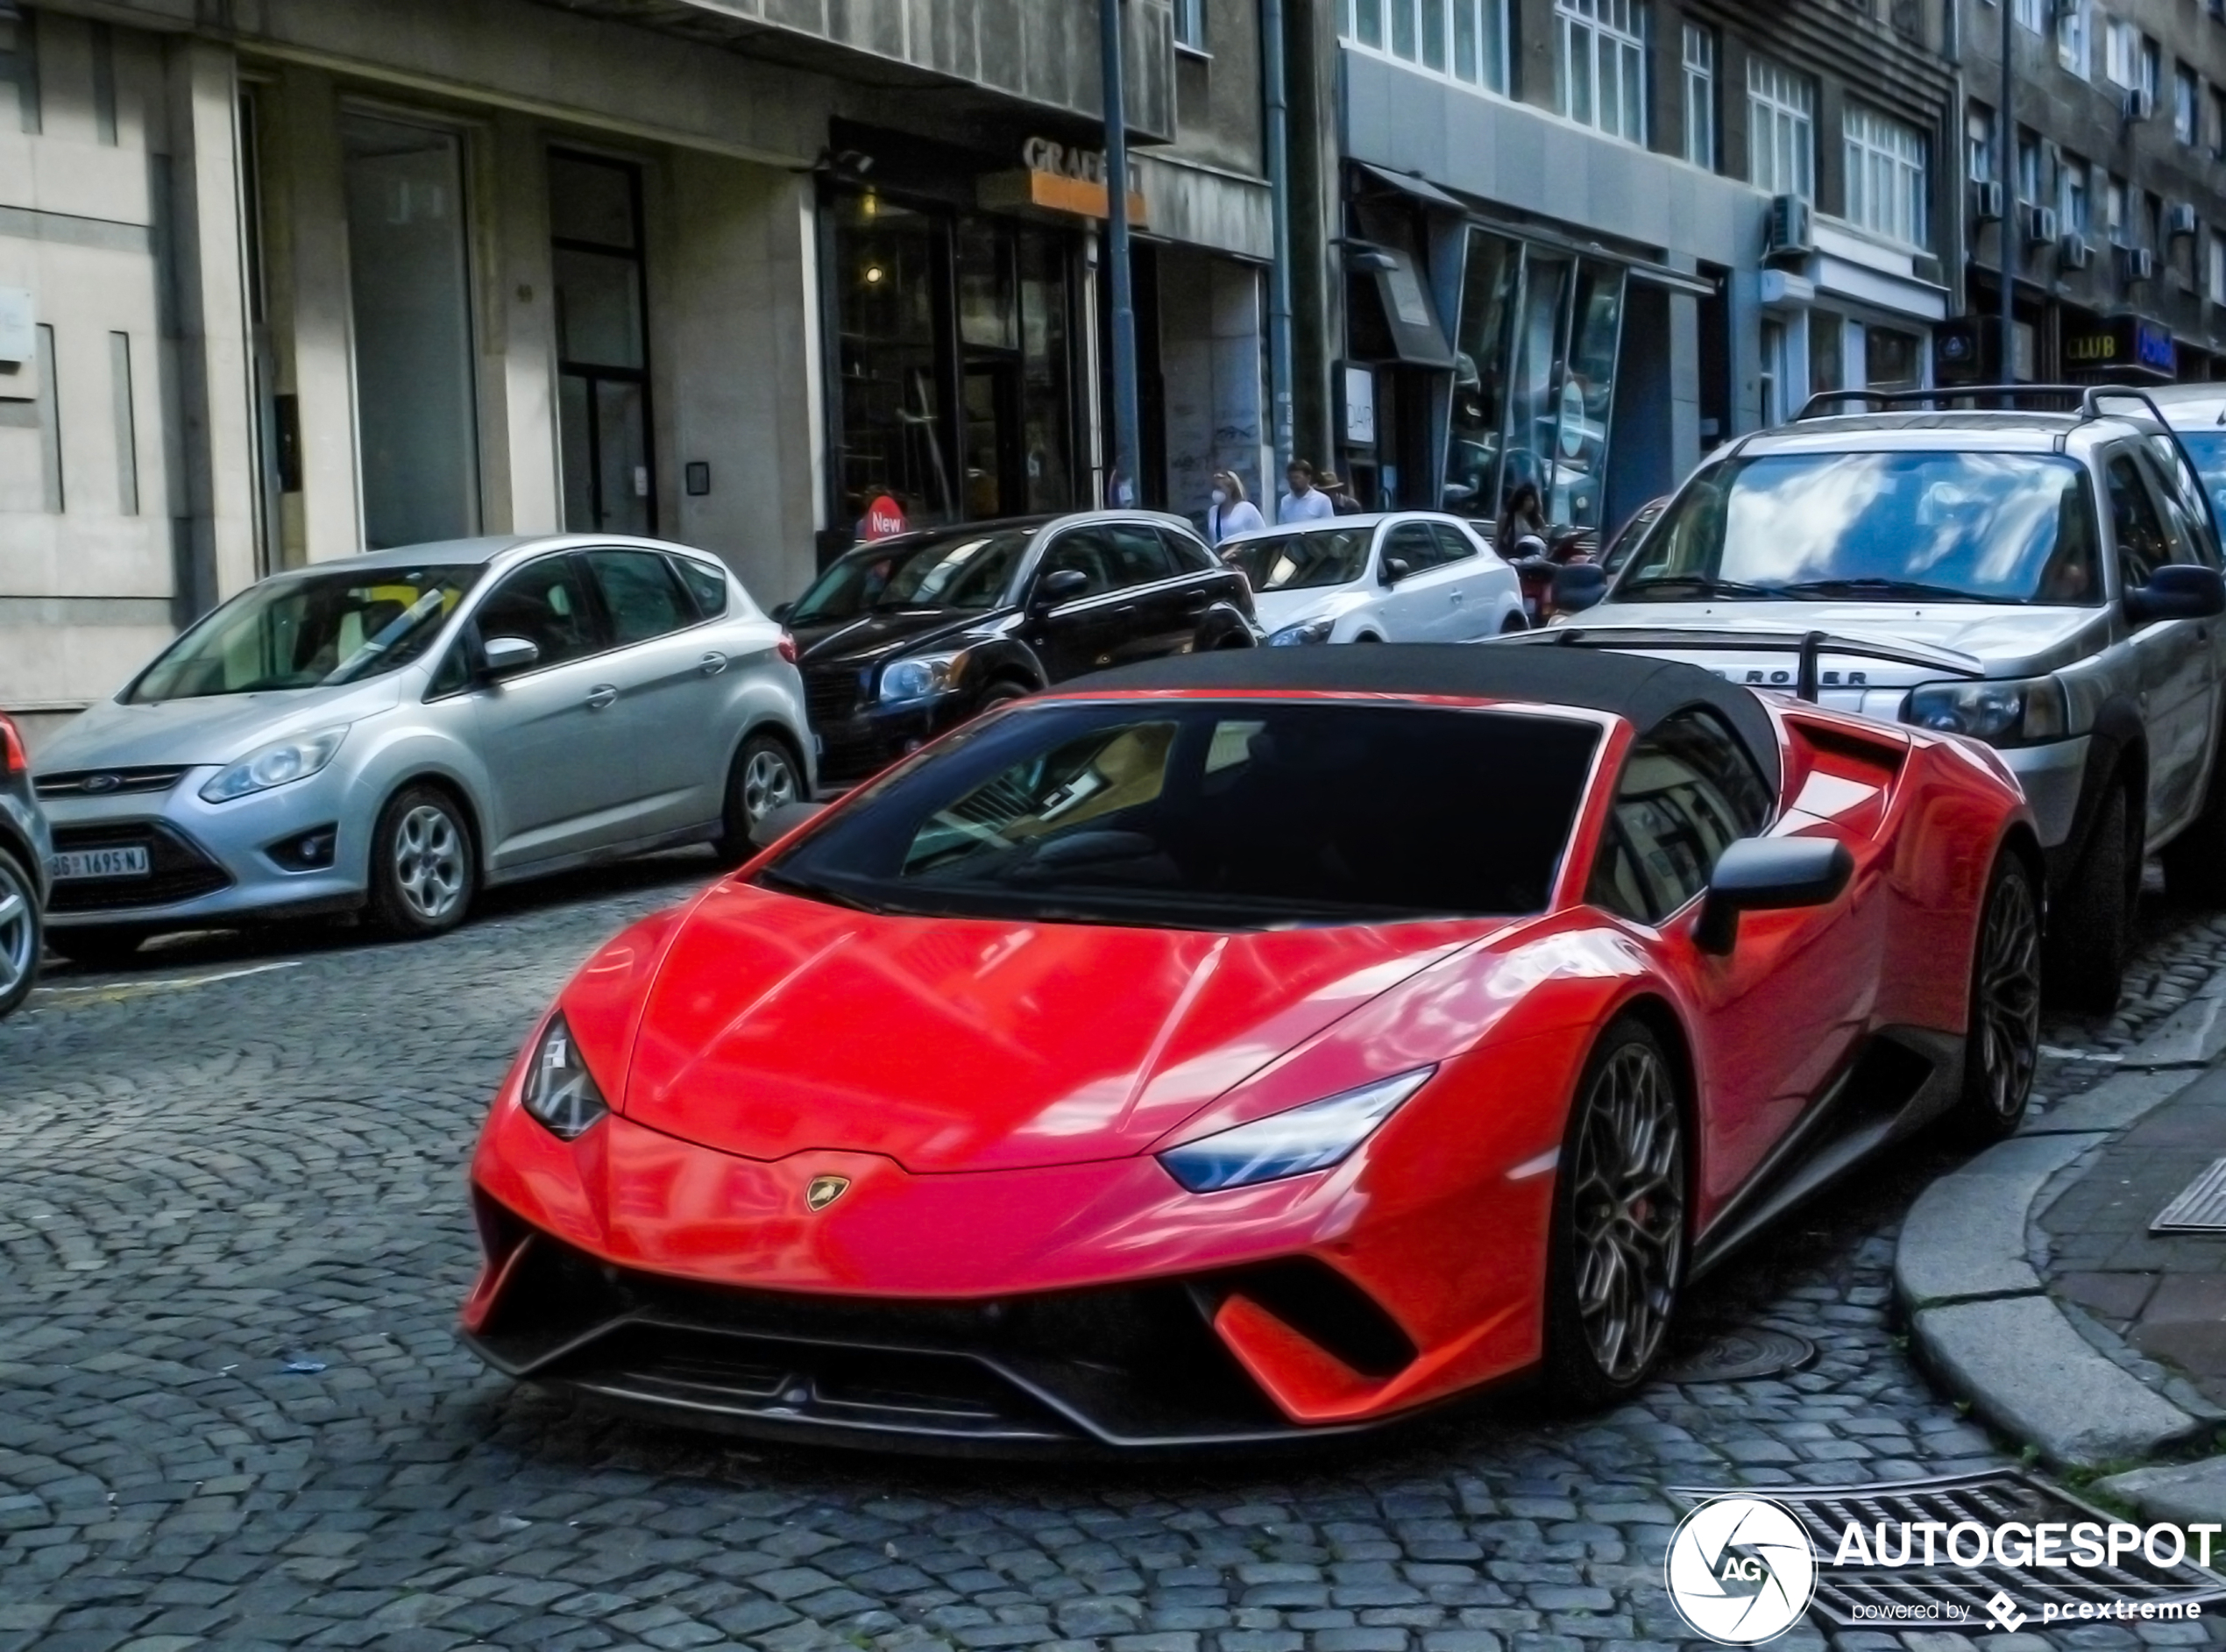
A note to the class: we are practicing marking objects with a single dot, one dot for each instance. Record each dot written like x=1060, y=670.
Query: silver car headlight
x=2014, y=713
x=1311, y=1136
x=280, y=763
x=1307, y=632
x=923, y=677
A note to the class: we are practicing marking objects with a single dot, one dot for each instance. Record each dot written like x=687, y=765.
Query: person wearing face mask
x=1232, y=513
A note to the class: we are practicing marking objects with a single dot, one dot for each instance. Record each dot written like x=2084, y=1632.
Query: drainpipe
x=2012, y=231
x=1277, y=102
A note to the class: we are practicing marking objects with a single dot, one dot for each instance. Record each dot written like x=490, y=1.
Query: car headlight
x=923, y=677
x=2017, y=713
x=279, y=764
x=1312, y=1137
x=560, y=1091
x=1311, y=631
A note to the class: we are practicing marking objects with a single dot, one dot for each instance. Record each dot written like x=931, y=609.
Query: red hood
x=777, y=1025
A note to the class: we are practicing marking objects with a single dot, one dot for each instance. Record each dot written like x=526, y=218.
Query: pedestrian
x=1305, y=502
x=1341, y=499
x=1232, y=513
x=1521, y=517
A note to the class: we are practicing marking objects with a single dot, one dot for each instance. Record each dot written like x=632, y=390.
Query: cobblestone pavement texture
x=233, y=1413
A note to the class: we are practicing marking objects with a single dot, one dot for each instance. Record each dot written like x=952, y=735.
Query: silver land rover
x=2042, y=576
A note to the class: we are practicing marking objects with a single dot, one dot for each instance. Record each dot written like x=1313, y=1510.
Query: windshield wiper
x=1701, y=585
x=1912, y=589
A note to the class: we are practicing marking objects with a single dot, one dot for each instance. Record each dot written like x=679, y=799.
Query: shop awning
x=1422, y=190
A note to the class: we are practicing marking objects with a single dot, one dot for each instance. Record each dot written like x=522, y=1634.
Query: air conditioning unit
x=2040, y=226
x=2140, y=105
x=2180, y=220
x=2137, y=262
x=1986, y=200
x=2074, y=252
x=1789, y=232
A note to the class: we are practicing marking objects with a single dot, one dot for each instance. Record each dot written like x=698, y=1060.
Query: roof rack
x=1820, y=405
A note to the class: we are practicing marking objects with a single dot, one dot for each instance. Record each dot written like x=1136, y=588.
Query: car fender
x=1009, y=656
x=396, y=756
x=758, y=699
x=1220, y=626
x=2117, y=744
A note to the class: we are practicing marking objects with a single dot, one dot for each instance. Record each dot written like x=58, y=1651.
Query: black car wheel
x=1003, y=692
x=2090, y=928
x=424, y=870
x=21, y=933
x=764, y=778
x=1617, y=1258
x=2002, y=1049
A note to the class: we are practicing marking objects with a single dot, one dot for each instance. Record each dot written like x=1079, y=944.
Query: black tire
x=1003, y=692
x=2194, y=862
x=1515, y=624
x=21, y=932
x=765, y=776
x=2001, y=1049
x=1617, y=1253
x=95, y=949
x=424, y=865
x=2089, y=931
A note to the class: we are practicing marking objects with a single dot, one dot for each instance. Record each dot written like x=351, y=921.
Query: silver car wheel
x=429, y=861
x=19, y=931
x=768, y=783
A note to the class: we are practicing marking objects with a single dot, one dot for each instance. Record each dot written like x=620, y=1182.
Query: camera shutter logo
x=1740, y=1570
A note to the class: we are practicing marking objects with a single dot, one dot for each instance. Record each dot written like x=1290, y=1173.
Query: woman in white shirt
x=1232, y=513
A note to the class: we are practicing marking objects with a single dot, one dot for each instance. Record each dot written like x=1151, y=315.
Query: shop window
x=1780, y=130
x=1886, y=184
x=1771, y=381
x=1602, y=65
x=1827, y=352
x=1700, y=97
x=409, y=287
x=602, y=344
x=1486, y=334
x=1892, y=360
x=20, y=68
x=1466, y=39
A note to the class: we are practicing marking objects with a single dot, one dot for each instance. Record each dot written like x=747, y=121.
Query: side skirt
x=1901, y=1079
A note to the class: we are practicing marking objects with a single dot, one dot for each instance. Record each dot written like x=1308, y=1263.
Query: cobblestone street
x=233, y=1413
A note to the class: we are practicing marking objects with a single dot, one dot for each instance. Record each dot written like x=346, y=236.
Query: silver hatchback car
x=398, y=730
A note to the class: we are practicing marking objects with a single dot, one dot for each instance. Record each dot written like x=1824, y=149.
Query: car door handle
x=1456, y=598
x=601, y=697
x=713, y=663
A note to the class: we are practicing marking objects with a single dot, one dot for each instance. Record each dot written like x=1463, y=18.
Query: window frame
x=1880, y=148
x=684, y=607
x=1778, y=93
x=585, y=592
x=1488, y=24
x=1699, y=57
x=1614, y=31
x=1191, y=38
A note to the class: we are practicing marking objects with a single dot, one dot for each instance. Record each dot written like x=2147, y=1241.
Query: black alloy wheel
x=2002, y=1049
x=1618, y=1258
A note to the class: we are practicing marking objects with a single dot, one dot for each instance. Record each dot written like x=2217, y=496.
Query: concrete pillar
x=316, y=206
x=522, y=484
x=215, y=543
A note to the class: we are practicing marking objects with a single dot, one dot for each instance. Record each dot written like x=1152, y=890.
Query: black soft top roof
x=1642, y=691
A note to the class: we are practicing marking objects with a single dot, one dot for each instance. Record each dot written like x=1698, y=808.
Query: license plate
x=130, y=862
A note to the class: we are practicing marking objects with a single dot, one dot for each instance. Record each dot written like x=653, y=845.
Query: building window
x=2187, y=106
x=1978, y=145
x=2215, y=281
x=1190, y=24
x=2033, y=14
x=1603, y=66
x=2217, y=121
x=2073, y=51
x=1886, y=184
x=2152, y=68
x=1700, y=97
x=2072, y=208
x=20, y=68
x=2122, y=54
x=2113, y=211
x=1466, y=39
x=2028, y=166
x=1780, y=130
x=410, y=293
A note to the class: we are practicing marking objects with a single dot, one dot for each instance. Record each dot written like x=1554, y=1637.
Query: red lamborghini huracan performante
x=1255, y=1045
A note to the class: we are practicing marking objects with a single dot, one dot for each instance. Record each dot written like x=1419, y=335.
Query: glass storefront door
x=409, y=287
x=602, y=345
x=955, y=396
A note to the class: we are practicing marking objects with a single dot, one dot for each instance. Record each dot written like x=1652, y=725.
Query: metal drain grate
x=1741, y=1356
x=1914, y=1596
x=2200, y=1209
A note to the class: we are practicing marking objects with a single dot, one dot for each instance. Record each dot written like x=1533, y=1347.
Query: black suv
x=906, y=637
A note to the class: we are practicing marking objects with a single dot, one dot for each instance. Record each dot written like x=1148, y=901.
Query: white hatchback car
x=1401, y=576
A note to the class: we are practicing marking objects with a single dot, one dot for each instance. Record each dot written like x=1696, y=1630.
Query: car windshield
x=964, y=568
x=1306, y=562
x=312, y=630
x=1922, y=525
x=1217, y=815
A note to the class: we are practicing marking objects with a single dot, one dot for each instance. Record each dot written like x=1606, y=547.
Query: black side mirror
x=1062, y=585
x=781, y=610
x=1770, y=875
x=1580, y=585
x=1396, y=569
x=2180, y=591
x=777, y=823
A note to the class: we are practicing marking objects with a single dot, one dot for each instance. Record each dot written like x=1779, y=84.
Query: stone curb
x=1979, y=1313
x=2181, y=1491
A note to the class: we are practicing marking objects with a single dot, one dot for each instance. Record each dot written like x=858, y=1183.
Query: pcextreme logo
x=1740, y=1570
